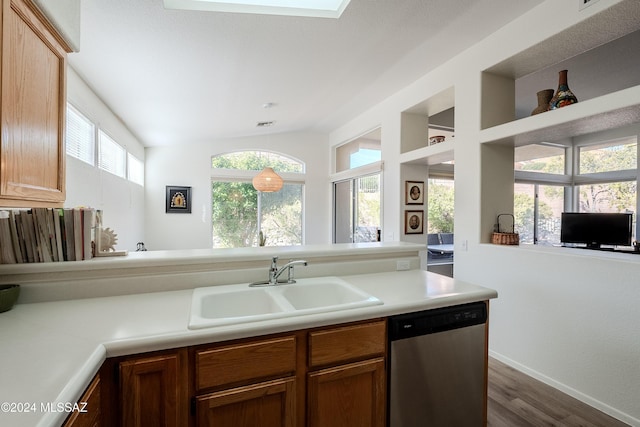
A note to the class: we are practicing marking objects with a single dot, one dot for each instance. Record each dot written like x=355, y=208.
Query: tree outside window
x=235, y=203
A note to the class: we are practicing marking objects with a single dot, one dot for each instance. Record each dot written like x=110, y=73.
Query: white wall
x=191, y=166
x=567, y=318
x=121, y=201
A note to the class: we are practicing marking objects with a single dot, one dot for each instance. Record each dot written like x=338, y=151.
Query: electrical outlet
x=403, y=265
x=585, y=3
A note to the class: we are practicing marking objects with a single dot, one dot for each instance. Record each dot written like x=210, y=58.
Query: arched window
x=239, y=212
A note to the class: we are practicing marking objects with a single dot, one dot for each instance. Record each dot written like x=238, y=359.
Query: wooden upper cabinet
x=32, y=109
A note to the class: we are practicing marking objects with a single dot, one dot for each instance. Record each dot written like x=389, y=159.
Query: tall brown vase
x=544, y=97
x=563, y=96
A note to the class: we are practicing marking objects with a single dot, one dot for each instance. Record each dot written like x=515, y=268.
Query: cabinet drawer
x=347, y=343
x=252, y=360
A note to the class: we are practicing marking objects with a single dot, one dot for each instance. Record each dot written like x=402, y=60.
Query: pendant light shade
x=267, y=181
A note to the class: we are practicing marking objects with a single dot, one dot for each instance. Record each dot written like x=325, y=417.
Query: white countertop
x=51, y=350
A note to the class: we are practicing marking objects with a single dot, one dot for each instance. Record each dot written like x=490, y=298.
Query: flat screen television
x=595, y=229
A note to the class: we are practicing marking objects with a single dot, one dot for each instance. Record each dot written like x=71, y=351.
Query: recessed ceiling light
x=311, y=8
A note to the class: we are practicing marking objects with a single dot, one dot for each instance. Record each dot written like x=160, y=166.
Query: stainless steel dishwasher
x=437, y=367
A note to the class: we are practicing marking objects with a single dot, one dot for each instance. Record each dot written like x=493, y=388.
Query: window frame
x=571, y=180
x=246, y=176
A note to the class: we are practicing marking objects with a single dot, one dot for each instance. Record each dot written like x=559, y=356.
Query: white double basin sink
x=231, y=304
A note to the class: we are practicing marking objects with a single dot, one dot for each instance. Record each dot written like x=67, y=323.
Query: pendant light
x=267, y=181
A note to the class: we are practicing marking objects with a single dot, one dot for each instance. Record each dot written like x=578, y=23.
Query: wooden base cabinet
x=323, y=377
x=347, y=379
x=89, y=413
x=268, y=404
x=149, y=389
x=348, y=396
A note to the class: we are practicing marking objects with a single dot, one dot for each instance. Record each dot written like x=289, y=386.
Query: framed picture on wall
x=414, y=192
x=178, y=199
x=413, y=222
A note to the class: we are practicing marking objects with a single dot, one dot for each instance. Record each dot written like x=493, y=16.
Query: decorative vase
x=544, y=97
x=563, y=96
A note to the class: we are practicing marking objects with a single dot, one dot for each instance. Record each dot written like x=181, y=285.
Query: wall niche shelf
x=431, y=155
x=434, y=116
x=600, y=64
x=609, y=111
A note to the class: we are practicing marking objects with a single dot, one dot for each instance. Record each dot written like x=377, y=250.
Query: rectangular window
x=80, y=139
x=440, y=196
x=135, y=169
x=359, y=152
x=540, y=158
x=239, y=213
x=609, y=156
x=111, y=155
x=357, y=204
x=537, y=210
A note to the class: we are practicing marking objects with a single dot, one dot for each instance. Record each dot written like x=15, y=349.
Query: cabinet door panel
x=152, y=391
x=33, y=110
x=92, y=415
x=348, y=396
x=267, y=404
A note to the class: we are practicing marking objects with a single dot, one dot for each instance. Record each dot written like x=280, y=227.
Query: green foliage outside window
x=234, y=212
x=440, y=206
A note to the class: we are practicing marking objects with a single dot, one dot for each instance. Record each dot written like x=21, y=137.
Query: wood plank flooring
x=517, y=400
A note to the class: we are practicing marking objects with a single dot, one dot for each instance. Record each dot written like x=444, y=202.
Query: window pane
x=368, y=210
x=80, y=139
x=621, y=154
x=539, y=158
x=235, y=215
x=611, y=197
x=135, y=169
x=255, y=161
x=617, y=197
x=550, y=207
x=440, y=194
x=359, y=152
x=281, y=216
x=539, y=223
x=112, y=155
x=343, y=215
x=523, y=211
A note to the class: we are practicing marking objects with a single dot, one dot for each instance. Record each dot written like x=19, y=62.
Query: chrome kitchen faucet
x=275, y=272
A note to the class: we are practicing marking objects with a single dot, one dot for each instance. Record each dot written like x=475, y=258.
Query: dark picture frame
x=178, y=199
x=414, y=192
x=413, y=222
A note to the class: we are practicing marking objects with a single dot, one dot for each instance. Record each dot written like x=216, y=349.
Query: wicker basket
x=500, y=237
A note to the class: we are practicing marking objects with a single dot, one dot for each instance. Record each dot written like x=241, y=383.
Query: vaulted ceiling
x=180, y=77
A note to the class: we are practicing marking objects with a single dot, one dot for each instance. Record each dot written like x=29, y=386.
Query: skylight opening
x=309, y=8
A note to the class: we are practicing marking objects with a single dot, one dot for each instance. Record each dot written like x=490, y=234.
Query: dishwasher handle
x=437, y=320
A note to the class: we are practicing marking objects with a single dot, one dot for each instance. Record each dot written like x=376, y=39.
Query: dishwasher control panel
x=436, y=320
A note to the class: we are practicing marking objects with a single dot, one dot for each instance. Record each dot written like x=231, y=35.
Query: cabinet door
x=350, y=395
x=91, y=415
x=32, y=110
x=153, y=391
x=267, y=404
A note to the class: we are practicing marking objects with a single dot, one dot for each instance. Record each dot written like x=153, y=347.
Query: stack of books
x=46, y=235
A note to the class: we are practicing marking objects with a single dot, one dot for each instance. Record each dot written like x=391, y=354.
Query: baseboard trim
x=603, y=407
